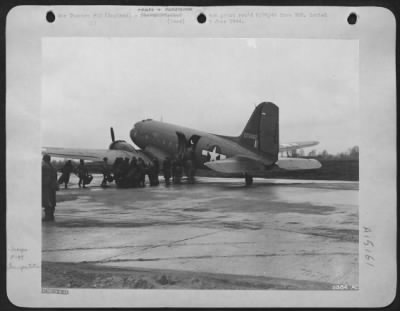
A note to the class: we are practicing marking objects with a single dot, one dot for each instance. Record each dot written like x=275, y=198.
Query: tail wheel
x=248, y=179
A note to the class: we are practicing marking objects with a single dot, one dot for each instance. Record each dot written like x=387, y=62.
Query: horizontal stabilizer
x=238, y=164
x=297, y=164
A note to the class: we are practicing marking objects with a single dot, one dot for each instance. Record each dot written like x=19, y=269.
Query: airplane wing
x=87, y=154
x=296, y=145
x=241, y=164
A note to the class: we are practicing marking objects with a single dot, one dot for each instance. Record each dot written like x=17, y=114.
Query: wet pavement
x=289, y=229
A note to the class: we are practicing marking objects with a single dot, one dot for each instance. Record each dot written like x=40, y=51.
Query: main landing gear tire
x=248, y=179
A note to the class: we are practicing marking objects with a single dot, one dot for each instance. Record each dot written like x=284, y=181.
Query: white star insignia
x=213, y=155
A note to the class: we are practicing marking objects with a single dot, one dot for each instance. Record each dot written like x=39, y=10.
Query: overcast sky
x=90, y=84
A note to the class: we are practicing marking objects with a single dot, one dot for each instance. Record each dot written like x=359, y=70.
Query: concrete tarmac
x=290, y=231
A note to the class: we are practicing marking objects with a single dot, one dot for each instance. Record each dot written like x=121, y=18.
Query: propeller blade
x=112, y=134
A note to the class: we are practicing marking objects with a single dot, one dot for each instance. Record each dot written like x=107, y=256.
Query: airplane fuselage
x=253, y=153
x=161, y=139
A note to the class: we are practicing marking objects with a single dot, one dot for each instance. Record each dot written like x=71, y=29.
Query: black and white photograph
x=231, y=163
x=199, y=161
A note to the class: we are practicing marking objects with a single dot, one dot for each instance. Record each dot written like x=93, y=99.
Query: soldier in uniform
x=178, y=171
x=105, y=169
x=190, y=170
x=152, y=171
x=117, y=170
x=173, y=169
x=82, y=173
x=132, y=176
x=66, y=173
x=49, y=188
x=123, y=178
x=142, y=172
x=156, y=172
x=188, y=163
x=167, y=170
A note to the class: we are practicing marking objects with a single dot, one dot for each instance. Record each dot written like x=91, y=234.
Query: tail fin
x=262, y=130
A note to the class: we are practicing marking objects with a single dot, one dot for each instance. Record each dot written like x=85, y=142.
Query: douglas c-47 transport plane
x=252, y=153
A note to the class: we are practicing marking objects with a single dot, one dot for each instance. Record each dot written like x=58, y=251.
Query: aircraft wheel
x=249, y=180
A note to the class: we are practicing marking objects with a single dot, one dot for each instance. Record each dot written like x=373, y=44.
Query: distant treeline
x=351, y=154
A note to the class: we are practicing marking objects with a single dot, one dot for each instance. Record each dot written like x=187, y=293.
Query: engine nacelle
x=121, y=145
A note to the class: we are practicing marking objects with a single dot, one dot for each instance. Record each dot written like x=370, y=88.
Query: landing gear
x=248, y=179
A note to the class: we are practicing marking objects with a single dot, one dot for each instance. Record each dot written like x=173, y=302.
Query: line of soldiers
x=176, y=167
x=50, y=184
x=125, y=173
x=132, y=173
x=81, y=170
